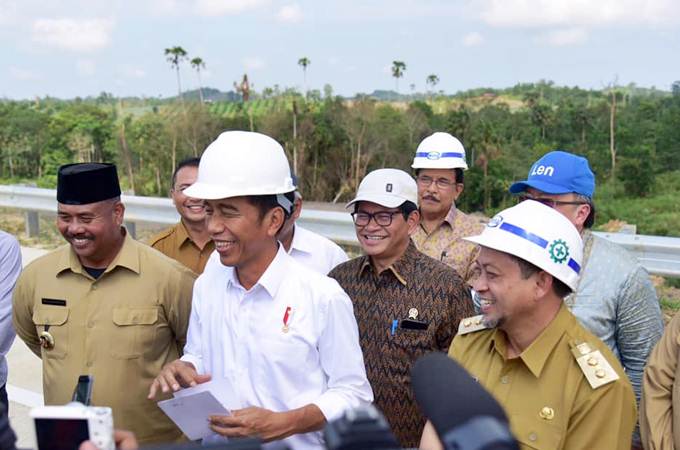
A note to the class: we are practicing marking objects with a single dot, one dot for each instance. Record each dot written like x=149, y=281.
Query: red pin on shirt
x=286, y=318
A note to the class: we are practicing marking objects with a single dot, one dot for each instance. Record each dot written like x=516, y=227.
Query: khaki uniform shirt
x=547, y=396
x=121, y=328
x=660, y=404
x=176, y=243
x=445, y=243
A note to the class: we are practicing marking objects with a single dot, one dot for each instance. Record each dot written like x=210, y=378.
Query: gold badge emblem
x=413, y=313
x=46, y=340
x=547, y=413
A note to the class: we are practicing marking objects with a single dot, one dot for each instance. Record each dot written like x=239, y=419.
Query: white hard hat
x=440, y=151
x=387, y=187
x=538, y=234
x=242, y=163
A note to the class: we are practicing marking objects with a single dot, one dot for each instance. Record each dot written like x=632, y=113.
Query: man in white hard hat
x=406, y=303
x=615, y=298
x=561, y=387
x=439, y=163
x=282, y=335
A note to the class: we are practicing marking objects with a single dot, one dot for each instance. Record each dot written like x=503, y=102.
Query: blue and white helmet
x=538, y=234
x=440, y=151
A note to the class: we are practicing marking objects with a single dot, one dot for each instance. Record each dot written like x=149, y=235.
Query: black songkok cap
x=83, y=183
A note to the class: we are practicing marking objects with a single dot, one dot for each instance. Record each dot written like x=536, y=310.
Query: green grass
x=670, y=305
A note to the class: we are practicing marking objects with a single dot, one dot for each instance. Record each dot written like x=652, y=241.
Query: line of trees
x=333, y=142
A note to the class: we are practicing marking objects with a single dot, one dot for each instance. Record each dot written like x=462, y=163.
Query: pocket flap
x=135, y=316
x=50, y=316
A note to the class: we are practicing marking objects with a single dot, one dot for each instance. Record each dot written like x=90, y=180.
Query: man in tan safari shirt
x=104, y=305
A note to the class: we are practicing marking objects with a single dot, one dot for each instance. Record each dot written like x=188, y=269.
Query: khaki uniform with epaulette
x=560, y=393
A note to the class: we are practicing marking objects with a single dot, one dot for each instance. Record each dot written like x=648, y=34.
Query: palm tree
x=175, y=55
x=198, y=64
x=304, y=62
x=398, y=69
x=432, y=80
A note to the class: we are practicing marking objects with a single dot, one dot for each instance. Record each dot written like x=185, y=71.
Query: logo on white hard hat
x=433, y=155
x=559, y=251
x=495, y=221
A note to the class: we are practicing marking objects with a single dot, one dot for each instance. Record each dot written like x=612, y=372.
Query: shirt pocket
x=134, y=331
x=53, y=320
x=537, y=433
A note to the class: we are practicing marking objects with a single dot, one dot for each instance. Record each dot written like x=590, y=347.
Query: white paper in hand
x=190, y=413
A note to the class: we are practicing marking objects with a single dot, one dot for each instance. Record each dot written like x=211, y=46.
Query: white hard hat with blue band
x=440, y=151
x=537, y=234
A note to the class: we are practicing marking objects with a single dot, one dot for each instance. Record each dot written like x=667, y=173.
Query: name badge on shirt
x=53, y=302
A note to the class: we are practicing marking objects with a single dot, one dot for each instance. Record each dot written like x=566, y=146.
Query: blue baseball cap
x=559, y=172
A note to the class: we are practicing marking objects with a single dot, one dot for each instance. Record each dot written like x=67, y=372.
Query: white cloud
x=570, y=13
x=79, y=35
x=561, y=38
x=21, y=74
x=86, y=67
x=473, y=39
x=290, y=14
x=254, y=63
x=226, y=7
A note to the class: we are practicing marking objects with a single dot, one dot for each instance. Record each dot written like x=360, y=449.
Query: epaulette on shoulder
x=593, y=364
x=471, y=324
x=160, y=236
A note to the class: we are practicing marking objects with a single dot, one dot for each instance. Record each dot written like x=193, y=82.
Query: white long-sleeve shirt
x=240, y=335
x=10, y=268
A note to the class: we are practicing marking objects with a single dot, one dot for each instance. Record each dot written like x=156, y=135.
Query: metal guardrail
x=659, y=255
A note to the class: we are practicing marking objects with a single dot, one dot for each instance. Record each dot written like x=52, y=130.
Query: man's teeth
x=486, y=302
x=374, y=238
x=80, y=241
x=222, y=245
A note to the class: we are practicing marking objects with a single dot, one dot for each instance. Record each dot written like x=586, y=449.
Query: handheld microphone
x=464, y=414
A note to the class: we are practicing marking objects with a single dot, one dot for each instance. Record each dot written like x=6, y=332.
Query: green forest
x=630, y=135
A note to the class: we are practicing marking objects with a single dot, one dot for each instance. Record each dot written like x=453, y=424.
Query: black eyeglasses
x=382, y=218
x=441, y=183
x=549, y=201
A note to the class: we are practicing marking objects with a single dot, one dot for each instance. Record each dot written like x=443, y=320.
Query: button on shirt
x=239, y=334
x=121, y=328
x=548, y=400
x=445, y=243
x=176, y=243
x=415, y=285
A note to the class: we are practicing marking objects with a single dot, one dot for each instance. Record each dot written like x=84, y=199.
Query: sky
x=69, y=48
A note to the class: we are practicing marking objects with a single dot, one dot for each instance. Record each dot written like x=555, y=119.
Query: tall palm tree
x=175, y=55
x=197, y=63
x=304, y=62
x=432, y=80
x=398, y=69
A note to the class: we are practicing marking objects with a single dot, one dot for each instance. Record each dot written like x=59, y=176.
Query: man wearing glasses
x=615, y=298
x=406, y=304
x=439, y=164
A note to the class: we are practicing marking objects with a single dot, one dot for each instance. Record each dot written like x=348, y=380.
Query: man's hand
x=125, y=440
x=174, y=376
x=254, y=422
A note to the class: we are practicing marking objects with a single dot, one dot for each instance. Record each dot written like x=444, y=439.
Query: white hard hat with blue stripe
x=440, y=151
x=538, y=234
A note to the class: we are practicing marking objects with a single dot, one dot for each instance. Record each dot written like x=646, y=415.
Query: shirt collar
x=127, y=257
x=299, y=243
x=451, y=215
x=536, y=355
x=272, y=277
x=402, y=269
x=182, y=234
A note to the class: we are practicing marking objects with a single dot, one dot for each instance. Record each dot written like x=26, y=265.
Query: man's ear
x=457, y=190
x=274, y=220
x=413, y=220
x=543, y=284
x=118, y=213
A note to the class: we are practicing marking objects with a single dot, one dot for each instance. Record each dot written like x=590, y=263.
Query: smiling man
x=189, y=241
x=406, y=303
x=282, y=335
x=104, y=305
x=439, y=163
x=560, y=386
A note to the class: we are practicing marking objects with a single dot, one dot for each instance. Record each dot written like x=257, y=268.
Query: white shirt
x=315, y=251
x=239, y=335
x=308, y=248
